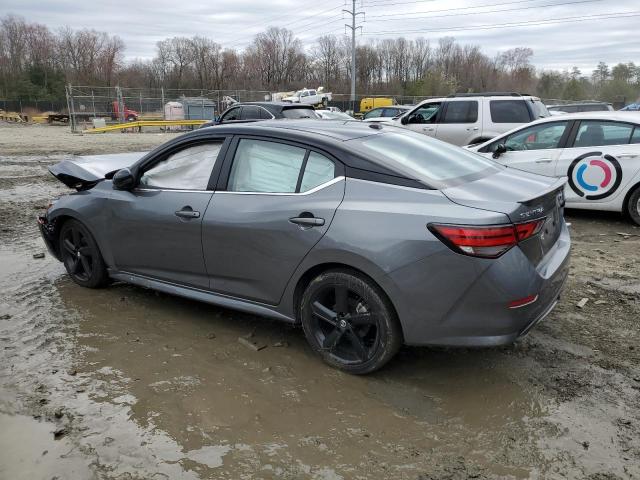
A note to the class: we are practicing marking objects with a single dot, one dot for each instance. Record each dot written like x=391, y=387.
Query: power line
x=236, y=41
x=549, y=21
x=515, y=9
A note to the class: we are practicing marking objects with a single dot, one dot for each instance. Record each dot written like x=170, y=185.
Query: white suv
x=465, y=119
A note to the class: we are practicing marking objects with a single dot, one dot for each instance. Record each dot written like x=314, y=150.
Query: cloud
x=142, y=23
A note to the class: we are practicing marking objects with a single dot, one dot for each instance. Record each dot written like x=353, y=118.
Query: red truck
x=129, y=115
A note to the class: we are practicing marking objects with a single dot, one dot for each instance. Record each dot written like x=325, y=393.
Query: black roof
x=277, y=106
x=327, y=135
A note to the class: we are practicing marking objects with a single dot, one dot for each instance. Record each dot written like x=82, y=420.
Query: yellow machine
x=369, y=103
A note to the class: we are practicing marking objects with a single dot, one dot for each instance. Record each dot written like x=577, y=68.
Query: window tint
x=461, y=112
x=425, y=114
x=187, y=169
x=265, y=114
x=233, y=114
x=509, y=111
x=375, y=113
x=250, y=112
x=319, y=170
x=598, y=133
x=635, y=138
x=299, y=113
x=261, y=166
x=537, y=137
x=437, y=164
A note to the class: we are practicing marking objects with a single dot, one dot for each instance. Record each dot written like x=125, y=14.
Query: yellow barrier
x=10, y=117
x=146, y=123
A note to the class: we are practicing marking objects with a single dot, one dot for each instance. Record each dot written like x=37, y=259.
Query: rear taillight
x=485, y=241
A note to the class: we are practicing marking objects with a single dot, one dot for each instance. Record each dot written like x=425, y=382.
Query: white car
x=599, y=153
x=464, y=119
x=333, y=115
x=310, y=96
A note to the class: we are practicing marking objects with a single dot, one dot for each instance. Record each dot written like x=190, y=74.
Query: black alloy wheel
x=349, y=322
x=81, y=256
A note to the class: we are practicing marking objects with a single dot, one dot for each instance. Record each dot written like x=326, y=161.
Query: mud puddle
x=144, y=385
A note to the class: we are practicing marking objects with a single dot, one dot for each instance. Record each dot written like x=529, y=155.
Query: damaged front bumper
x=48, y=232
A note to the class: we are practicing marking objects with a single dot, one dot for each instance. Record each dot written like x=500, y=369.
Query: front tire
x=349, y=322
x=81, y=256
x=633, y=205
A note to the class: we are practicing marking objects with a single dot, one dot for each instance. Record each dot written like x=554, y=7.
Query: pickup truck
x=310, y=97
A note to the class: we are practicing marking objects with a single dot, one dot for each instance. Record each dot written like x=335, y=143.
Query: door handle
x=627, y=155
x=474, y=129
x=307, y=221
x=187, y=212
x=428, y=129
x=544, y=160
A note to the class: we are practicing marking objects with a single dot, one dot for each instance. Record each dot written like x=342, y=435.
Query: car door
x=460, y=122
x=423, y=119
x=156, y=228
x=274, y=202
x=600, y=162
x=535, y=148
x=505, y=115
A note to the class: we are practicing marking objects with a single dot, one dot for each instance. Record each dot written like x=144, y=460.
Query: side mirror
x=123, y=179
x=404, y=120
x=500, y=149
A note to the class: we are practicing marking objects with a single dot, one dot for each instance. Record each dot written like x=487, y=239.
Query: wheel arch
x=318, y=269
x=630, y=191
x=63, y=216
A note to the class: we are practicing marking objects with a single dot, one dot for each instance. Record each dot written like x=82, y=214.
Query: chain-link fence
x=87, y=106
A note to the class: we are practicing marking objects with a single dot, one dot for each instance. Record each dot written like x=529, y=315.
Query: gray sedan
x=369, y=236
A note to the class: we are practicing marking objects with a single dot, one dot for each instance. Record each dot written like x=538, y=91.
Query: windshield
x=434, y=163
x=294, y=112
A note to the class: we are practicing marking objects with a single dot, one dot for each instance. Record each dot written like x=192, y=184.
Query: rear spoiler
x=559, y=183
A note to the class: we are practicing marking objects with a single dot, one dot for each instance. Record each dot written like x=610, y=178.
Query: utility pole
x=353, y=28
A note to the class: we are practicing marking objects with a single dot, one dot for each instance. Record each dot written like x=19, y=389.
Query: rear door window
x=509, y=111
x=635, y=138
x=318, y=170
x=250, y=112
x=595, y=133
x=461, y=112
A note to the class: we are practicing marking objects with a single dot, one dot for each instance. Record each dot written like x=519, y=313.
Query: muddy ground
x=125, y=383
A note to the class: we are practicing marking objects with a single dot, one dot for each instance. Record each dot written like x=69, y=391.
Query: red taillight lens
x=487, y=242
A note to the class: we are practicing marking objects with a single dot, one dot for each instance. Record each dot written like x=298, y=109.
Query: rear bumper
x=466, y=303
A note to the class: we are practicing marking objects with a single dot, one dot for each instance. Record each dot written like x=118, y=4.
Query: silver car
x=368, y=236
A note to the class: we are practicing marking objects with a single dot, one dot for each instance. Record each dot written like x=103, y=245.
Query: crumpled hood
x=84, y=172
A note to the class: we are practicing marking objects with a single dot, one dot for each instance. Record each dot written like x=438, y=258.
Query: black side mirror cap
x=500, y=149
x=404, y=120
x=124, y=179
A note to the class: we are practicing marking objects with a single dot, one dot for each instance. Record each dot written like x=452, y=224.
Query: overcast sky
x=233, y=23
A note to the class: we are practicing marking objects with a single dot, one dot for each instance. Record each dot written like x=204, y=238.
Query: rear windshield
x=431, y=162
x=297, y=112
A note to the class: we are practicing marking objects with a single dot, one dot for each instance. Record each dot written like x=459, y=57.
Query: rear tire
x=81, y=256
x=633, y=205
x=349, y=322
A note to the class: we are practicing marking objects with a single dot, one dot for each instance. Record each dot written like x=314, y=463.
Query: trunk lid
x=84, y=172
x=523, y=197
